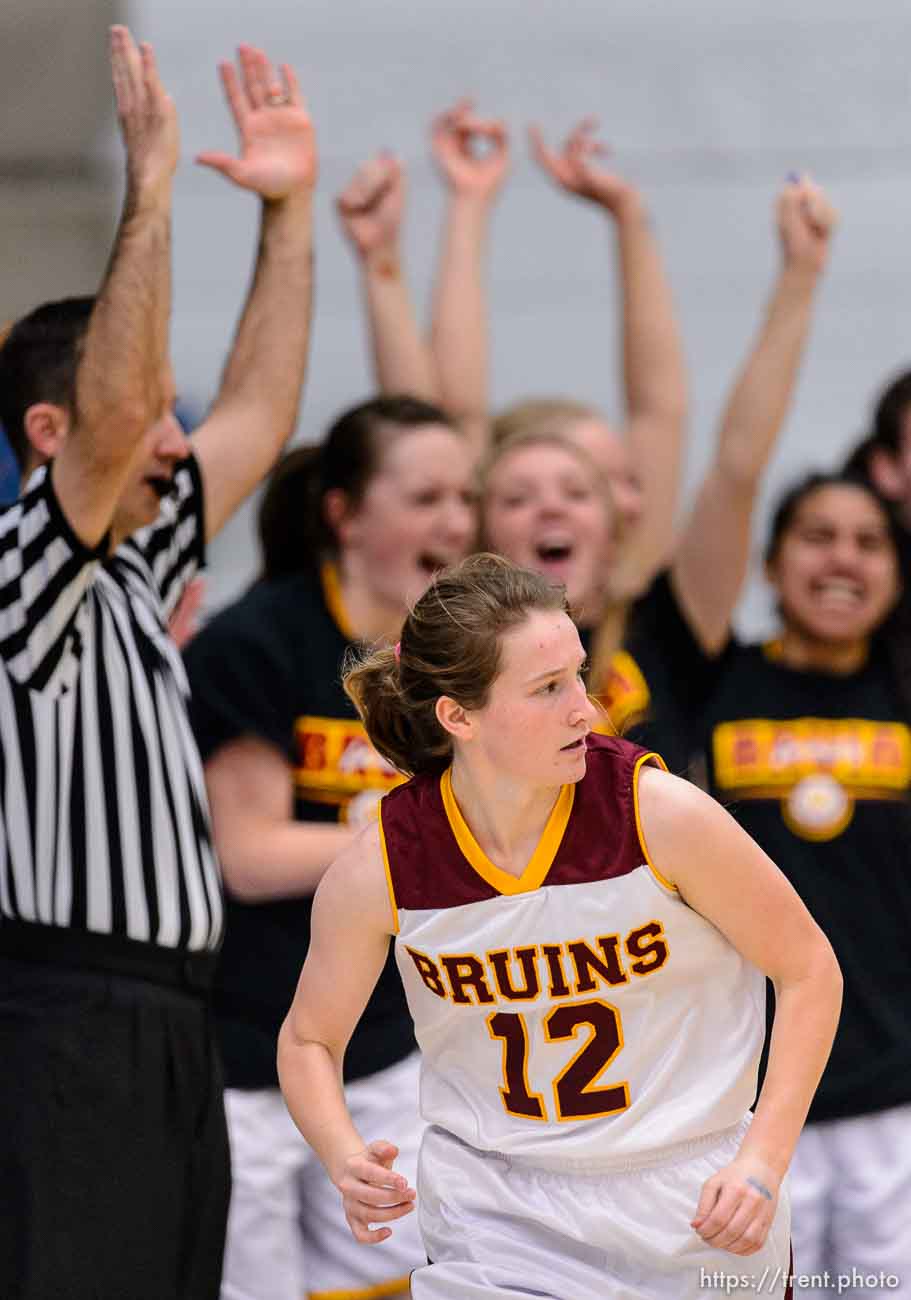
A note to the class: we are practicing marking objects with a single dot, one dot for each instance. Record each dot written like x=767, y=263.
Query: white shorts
x=496, y=1228
x=851, y=1200
x=287, y=1234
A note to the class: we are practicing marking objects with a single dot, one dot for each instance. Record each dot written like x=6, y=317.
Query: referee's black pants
x=114, y=1169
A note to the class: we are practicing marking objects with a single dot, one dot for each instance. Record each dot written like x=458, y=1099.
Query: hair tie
x=397, y=651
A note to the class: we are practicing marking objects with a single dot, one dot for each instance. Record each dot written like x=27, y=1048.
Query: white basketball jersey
x=581, y=1015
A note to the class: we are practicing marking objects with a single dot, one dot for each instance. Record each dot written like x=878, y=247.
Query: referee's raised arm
x=255, y=410
x=113, y=1147
x=119, y=388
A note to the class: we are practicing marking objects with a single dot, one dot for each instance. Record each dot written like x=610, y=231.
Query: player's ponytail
x=411, y=739
x=450, y=645
x=292, y=534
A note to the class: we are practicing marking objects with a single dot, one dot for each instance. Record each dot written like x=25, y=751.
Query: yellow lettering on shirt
x=336, y=764
x=818, y=768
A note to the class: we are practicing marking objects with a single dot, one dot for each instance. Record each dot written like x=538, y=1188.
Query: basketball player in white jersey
x=582, y=939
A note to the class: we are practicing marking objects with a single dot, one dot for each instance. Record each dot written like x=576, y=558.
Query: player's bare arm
x=654, y=372
x=371, y=211
x=472, y=155
x=711, y=561
x=724, y=875
x=264, y=852
x=119, y=391
x=351, y=923
x=256, y=408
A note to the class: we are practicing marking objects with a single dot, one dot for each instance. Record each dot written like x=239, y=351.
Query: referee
x=113, y=1154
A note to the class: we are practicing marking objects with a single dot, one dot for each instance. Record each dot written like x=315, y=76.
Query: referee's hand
x=147, y=117
x=372, y=1192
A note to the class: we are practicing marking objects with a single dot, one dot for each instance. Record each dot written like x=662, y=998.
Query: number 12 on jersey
x=575, y=1093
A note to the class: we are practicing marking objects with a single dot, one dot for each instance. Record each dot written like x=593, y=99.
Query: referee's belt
x=113, y=954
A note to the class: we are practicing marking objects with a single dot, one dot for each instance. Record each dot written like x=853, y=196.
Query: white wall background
x=708, y=103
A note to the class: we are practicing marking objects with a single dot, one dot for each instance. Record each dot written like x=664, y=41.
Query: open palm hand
x=277, y=145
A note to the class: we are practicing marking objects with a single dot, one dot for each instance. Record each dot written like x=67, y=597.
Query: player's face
x=152, y=473
x=545, y=509
x=610, y=453
x=836, y=571
x=417, y=514
x=532, y=729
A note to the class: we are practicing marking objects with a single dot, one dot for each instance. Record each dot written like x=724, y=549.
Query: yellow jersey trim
x=332, y=595
x=386, y=868
x=640, y=762
x=398, y=1287
x=540, y=861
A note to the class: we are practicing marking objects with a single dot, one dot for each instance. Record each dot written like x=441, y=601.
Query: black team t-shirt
x=660, y=679
x=817, y=768
x=269, y=667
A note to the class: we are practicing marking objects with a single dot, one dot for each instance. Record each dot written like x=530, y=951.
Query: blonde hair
x=540, y=415
x=609, y=632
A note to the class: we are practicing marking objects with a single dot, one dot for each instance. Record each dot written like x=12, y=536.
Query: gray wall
x=708, y=103
x=55, y=195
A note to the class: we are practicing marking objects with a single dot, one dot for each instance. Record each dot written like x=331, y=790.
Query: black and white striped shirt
x=104, y=823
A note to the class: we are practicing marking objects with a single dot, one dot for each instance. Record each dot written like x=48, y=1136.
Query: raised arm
x=119, y=385
x=725, y=876
x=472, y=154
x=653, y=364
x=711, y=560
x=349, y=939
x=255, y=411
x=370, y=209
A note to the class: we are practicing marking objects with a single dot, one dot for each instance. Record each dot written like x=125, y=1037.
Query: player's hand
x=277, y=144
x=472, y=152
x=806, y=223
x=372, y=1192
x=576, y=170
x=372, y=204
x=737, y=1206
x=146, y=114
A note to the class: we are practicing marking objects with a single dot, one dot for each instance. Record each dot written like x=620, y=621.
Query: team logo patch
x=818, y=808
x=817, y=768
x=362, y=808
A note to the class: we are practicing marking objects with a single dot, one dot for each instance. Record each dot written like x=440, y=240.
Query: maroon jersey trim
x=429, y=870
